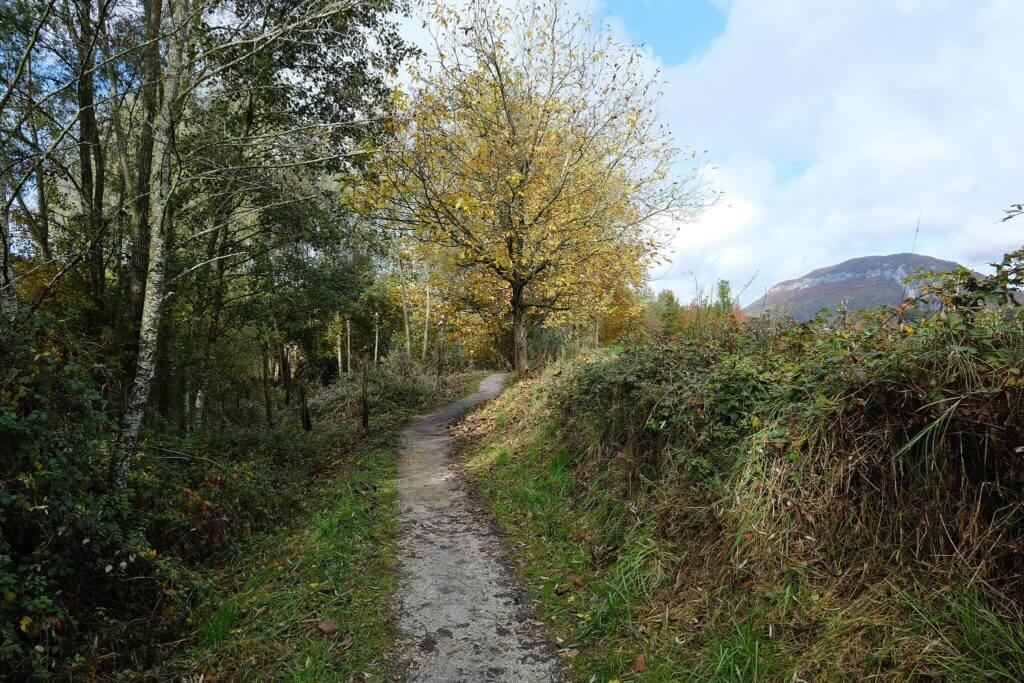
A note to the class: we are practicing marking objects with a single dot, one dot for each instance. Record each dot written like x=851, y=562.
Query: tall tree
x=535, y=158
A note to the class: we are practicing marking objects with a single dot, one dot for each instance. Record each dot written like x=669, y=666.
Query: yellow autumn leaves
x=531, y=167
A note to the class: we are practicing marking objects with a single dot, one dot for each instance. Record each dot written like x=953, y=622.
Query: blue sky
x=675, y=30
x=834, y=129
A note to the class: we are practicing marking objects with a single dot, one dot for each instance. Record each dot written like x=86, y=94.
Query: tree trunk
x=265, y=348
x=365, y=400
x=348, y=346
x=426, y=326
x=376, y=337
x=199, y=410
x=153, y=301
x=217, y=248
x=8, y=297
x=337, y=345
x=307, y=420
x=440, y=352
x=144, y=160
x=286, y=374
x=92, y=169
x=520, y=360
x=186, y=405
x=405, y=311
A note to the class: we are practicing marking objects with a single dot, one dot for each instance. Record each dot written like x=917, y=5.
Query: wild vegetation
x=244, y=240
x=202, y=266
x=182, y=277
x=767, y=501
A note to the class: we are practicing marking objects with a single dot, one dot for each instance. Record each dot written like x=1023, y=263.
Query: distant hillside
x=859, y=283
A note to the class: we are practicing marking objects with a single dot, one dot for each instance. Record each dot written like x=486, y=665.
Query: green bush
x=70, y=545
x=826, y=487
x=878, y=429
x=87, y=570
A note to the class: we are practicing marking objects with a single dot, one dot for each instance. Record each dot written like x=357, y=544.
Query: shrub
x=86, y=570
x=69, y=544
x=862, y=460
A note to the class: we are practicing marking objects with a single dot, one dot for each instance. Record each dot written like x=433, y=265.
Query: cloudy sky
x=836, y=127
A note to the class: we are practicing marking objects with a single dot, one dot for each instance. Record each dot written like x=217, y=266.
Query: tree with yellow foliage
x=535, y=162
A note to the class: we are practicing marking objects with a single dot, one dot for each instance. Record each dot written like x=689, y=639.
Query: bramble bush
x=874, y=459
x=87, y=570
x=69, y=543
x=884, y=429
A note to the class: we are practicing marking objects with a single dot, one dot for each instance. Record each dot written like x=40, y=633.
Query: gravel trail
x=463, y=618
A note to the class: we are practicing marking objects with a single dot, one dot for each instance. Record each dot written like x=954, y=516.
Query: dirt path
x=462, y=615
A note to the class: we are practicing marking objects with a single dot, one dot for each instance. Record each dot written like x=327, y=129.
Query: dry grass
x=809, y=501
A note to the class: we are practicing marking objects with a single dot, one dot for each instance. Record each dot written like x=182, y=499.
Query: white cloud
x=839, y=124
x=836, y=126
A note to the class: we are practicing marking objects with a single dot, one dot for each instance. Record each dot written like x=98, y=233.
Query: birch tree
x=175, y=85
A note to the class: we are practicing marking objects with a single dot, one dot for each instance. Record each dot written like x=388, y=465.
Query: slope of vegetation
x=97, y=578
x=821, y=501
x=313, y=601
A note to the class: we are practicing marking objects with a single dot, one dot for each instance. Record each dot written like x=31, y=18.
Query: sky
x=835, y=129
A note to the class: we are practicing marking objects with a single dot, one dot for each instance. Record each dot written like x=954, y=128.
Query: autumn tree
x=535, y=161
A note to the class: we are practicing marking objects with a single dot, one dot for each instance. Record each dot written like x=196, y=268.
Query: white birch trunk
x=199, y=411
x=376, y=336
x=152, y=308
x=341, y=367
x=8, y=297
x=405, y=309
x=426, y=327
x=186, y=409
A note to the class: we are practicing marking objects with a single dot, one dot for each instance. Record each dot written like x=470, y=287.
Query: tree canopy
x=534, y=165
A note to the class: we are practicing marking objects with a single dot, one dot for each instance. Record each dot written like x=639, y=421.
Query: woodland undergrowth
x=764, y=500
x=97, y=579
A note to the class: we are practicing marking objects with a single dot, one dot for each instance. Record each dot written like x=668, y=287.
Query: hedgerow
x=847, y=492
x=94, y=578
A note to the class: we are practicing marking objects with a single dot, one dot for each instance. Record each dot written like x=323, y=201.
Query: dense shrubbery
x=895, y=436
x=87, y=569
x=851, y=491
x=66, y=537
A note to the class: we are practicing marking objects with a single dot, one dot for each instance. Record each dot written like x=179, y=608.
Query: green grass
x=609, y=591
x=338, y=565
x=336, y=562
x=584, y=609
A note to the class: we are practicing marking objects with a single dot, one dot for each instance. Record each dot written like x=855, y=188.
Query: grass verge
x=312, y=601
x=530, y=493
x=638, y=576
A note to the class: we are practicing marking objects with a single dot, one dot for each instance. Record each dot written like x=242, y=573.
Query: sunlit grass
x=338, y=565
x=611, y=586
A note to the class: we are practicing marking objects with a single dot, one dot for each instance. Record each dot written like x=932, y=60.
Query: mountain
x=865, y=282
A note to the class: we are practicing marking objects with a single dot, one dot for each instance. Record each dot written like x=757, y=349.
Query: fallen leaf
x=639, y=663
x=572, y=653
x=328, y=626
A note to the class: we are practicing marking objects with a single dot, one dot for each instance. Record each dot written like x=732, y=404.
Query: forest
x=246, y=242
